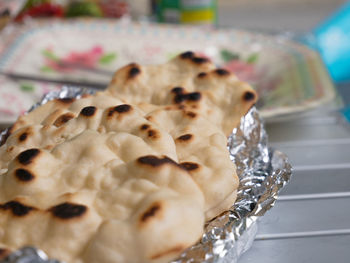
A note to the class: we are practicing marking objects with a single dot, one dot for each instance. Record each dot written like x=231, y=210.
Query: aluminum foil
x=262, y=171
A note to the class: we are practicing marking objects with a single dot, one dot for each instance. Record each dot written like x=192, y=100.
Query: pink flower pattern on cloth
x=89, y=58
x=76, y=59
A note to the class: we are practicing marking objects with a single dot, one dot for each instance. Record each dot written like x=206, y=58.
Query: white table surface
x=311, y=220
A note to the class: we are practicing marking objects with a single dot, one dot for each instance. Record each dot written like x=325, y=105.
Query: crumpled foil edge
x=263, y=172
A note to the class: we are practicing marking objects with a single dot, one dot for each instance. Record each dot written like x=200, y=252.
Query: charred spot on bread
x=177, y=90
x=189, y=166
x=28, y=156
x=134, y=71
x=23, y=137
x=122, y=108
x=88, y=111
x=187, y=55
x=24, y=175
x=191, y=114
x=202, y=75
x=152, y=134
x=144, y=127
x=155, y=161
x=119, y=109
x=16, y=208
x=150, y=212
x=194, y=96
x=181, y=96
x=185, y=137
x=68, y=210
x=66, y=100
x=248, y=96
x=63, y=119
x=222, y=72
x=200, y=60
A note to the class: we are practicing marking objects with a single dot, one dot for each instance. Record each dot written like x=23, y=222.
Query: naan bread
x=58, y=111
x=95, y=113
x=127, y=175
x=115, y=163
x=190, y=81
x=73, y=200
x=201, y=148
x=183, y=136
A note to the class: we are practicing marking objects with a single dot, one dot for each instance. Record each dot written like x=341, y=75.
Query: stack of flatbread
x=129, y=175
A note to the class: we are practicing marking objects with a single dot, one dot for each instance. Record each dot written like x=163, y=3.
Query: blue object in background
x=333, y=41
x=346, y=113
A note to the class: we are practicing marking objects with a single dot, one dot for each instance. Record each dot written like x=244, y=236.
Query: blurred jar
x=139, y=9
x=185, y=11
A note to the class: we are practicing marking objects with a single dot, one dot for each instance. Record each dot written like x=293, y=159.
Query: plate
x=289, y=77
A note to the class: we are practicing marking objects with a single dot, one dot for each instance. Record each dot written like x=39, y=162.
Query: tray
x=289, y=77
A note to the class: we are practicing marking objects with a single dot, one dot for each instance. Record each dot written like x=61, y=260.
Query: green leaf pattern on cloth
x=253, y=58
x=227, y=55
x=27, y=87
x=50, y=55
x=107, y=58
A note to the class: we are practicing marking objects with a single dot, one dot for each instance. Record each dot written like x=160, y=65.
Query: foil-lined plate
x=262, y=171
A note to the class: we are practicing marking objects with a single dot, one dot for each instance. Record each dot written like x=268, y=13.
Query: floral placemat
x=289, y=77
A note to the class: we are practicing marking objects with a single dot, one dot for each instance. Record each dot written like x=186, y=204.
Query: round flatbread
x=58, y=111
x=190, y=81
x=126, y=175
x=201, y=148
x=69, y=201
x=92, y=113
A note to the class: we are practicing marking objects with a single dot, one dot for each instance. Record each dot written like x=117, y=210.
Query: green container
x=187, y=11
